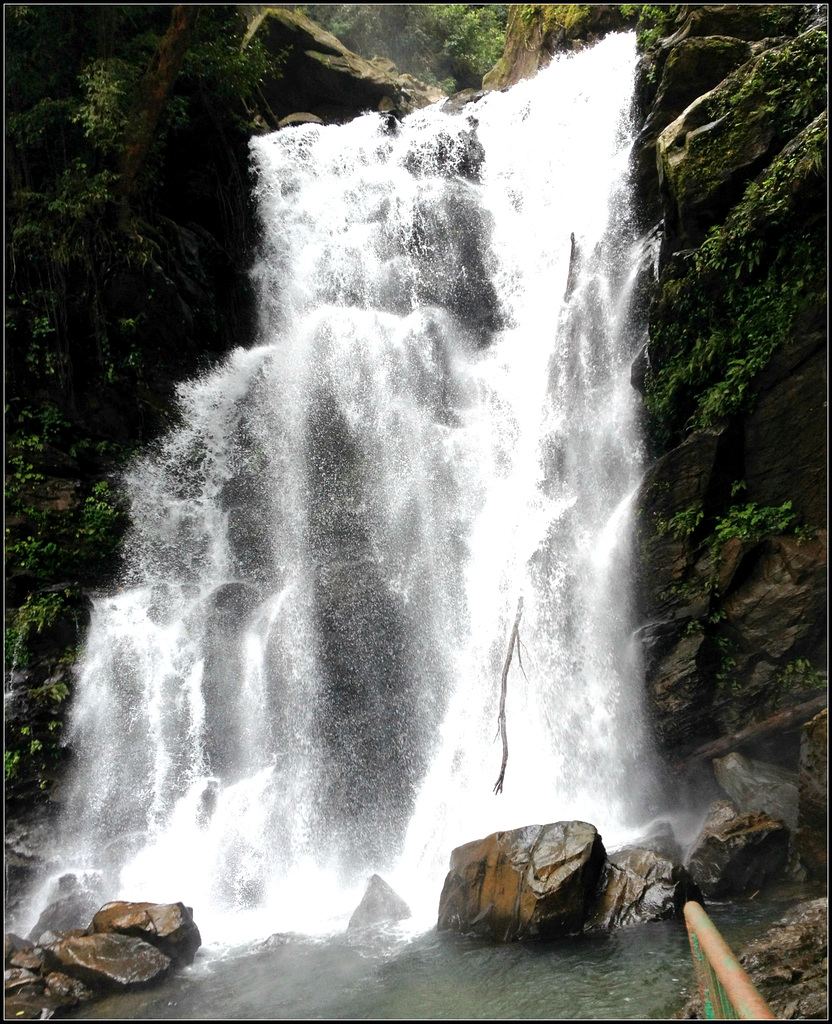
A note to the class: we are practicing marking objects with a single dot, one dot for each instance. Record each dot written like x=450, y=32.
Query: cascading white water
x=298, y=683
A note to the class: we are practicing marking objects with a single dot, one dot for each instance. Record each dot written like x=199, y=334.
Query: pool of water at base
x=641, y=972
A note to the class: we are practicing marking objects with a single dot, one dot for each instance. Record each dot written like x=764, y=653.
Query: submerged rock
x=532, y=882
x=379, y=903
x=735, y=852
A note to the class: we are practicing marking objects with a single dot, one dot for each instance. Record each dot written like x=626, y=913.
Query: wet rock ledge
x=126, y=946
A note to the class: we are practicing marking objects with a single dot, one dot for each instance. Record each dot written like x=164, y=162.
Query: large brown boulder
x=737, y=853
x=810, y=838
x=532, y=882
x=640, y=885
x=170, y=927
x=110, y=961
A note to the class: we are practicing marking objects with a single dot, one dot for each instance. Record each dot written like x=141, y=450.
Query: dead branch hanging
x=513, y=640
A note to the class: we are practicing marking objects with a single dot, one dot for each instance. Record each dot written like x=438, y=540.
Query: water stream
x=298, y=682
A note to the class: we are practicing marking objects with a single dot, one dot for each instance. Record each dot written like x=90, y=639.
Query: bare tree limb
x=784, y=719
x=513, y=640
x=153, y=93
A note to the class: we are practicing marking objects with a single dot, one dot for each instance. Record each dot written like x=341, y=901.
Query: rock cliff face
x=732, y=512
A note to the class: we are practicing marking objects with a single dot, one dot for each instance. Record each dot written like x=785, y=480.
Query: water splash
x=298, y=683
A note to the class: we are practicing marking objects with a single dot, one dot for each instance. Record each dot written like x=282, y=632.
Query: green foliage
x=450, y=45
x=752, y=522
x=654, y=22
x=725, y=680
x=682, y=524
x=39, y=612
x=33, y=753
x=722, y=316
x=12, y=759
x=88, y=535
x=800, y=675
x=73, y=77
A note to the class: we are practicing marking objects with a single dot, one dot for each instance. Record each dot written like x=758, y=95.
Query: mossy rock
x=535, y=32
x=709, y=153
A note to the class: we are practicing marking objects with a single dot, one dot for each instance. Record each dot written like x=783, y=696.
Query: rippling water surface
x=642, y=972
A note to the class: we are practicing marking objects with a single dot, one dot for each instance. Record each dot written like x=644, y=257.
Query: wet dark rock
x=788, y=964
x=72, y=909
x=459, y=100
x=692, y=67
x=111, y=961
x=661, y=839
x=640, y=885
x=71, y=990
x=299, y=118
x=17, y=978
x=810, y=838
x=757, y=786
x=15, y=944
x=380, y=903
x=170, y=927
x=532, y=882
x=738, y=853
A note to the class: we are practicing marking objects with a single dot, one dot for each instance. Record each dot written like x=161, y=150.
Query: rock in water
x=111, y=961
x=379, y=903
x=640, y=885
x=738, y=852
x=532, y=882
x=170, y=927
x=788, y=963
x=757, y=786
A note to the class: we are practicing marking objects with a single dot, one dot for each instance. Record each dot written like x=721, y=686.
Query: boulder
x=788, y=964
x=72, y=909
x=661, y=838
x=721, y=141
x=737, y=853
x=640, y=885
x=170, y=927
x=70, y=990
x=532, y=882
x=379, y=903
x=15, y=944
x=320, y=76
x=111, y=961
x=757, y=786
x=693, y=66
x=810, y=838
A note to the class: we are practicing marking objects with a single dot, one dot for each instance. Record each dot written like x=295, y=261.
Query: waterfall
x=298, y=681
